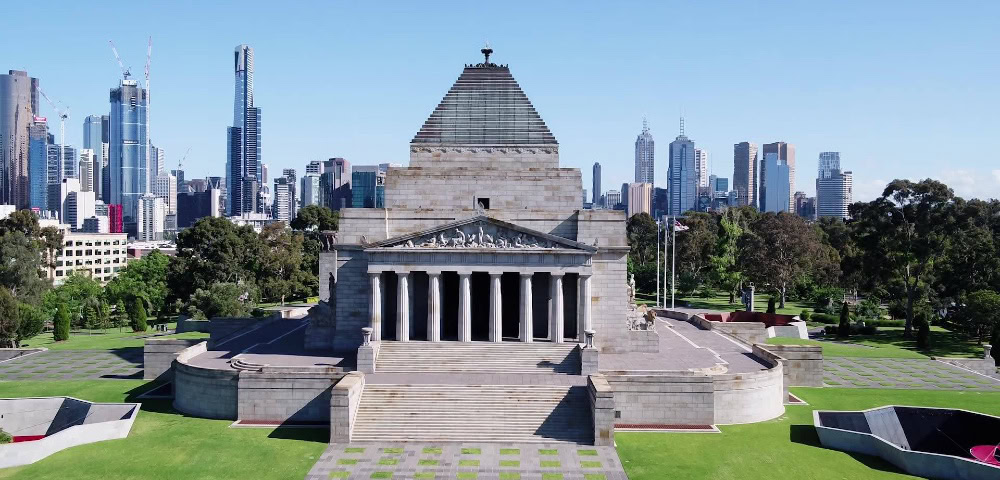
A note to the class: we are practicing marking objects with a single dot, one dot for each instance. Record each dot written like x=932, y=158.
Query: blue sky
x=901, y=89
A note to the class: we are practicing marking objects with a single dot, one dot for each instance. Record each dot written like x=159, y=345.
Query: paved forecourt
x=125, y=363
x=903, y=373
x=481, y=461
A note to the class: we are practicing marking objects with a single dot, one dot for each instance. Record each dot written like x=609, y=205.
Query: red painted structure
x=27, y=438
x=115, y=224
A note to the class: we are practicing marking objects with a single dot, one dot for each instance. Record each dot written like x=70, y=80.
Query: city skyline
x=364, y=114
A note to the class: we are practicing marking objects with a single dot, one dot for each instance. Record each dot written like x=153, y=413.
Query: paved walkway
x=124, y=363
x=535, y=461
x=902, y=373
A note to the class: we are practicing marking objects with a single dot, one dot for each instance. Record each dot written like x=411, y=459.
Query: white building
x=284, y=200
x=151, y=217
x=78, y=207
x=7, y=210
x=99, y=255
x=701, y=169
x=165, y=188
x=255, y=220
x=612, y=198
x=96, y=224
x=640, y=198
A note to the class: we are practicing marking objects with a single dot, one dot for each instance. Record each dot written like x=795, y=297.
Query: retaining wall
x=220, y=328
x=749, y=397
x=185, y=324
x=602, y=405
x=159, y=353
x=803, y=364
x=283, y=396
x=749, y=332
x=345, y=397
x=204, y=392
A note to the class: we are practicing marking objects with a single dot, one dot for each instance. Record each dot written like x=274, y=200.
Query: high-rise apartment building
x=38, y=160
x=314, y=166
x=156, y=160
x=150, y=218
x=596, y=190
x=644, y=156
x=96, y=137
x=805, y=206
x=745, y=173
x=309, y=194
x=18, y=107
x=682, y=175
x=56, y=173
x=785, y=154
x=834, y=188
x=128, y=150
x=292, y=176
x=165, y=188
x=243, y=162
x=640, y=198
x=775, y=186
x=284, y=200
x=335, y=183
x=613, y=199
x=701, y=167
x=86, y=169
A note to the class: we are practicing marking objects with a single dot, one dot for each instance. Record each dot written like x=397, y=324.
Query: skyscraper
x=640, y=197
x=38, y=172
x=701, y=167
x=18, y=107
x=335, y=184
x=243, y=139
x=310, y=193
x=284, y=200
x=128, y=155
x=745, y=173
x=775, y=185
x=644, y=156
x=785, y=153
x=150, y=218
x=682, y=176
x=86, y=169
x=156, y=159
x=314, y=166
x=55, y=168
x=834, y=188
x=165, y=188
x=596, y=194
x=95, y=137
x=367, y=186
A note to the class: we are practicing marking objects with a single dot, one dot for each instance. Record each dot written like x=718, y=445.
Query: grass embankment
x=102, y=339
x=784, y=448
x=888, y=342
x=164, y=444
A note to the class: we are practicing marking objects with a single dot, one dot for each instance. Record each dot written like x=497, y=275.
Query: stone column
x=375, y=306
x=525, y=323
x=496, y=309
x=434, y=306
x=583, y=293
x=403, y=307
x=556, y=316
x=464, y=308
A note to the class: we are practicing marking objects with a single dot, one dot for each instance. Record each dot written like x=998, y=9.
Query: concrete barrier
x=221, y=328
x=344, y=400
x=803, y=364
x=62, y=422
x=204, y=392
x=602, y=404
x=283, y=396
x=158, y=355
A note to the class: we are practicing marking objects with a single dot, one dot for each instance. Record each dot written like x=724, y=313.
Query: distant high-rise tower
x=775, y=184
x=785, y=153
x=18, y=107
x=156, y=159
x=38, y=171
x=95, y=137
x=644, y=156
x=596, y=194
x=243, y=139
x=745, y=173
x=701, y=168
x=129, y=141
x=682, y=175
x=834, y=188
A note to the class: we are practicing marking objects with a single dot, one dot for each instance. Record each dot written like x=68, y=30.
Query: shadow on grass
x=806, y=435
x=942, y=343
x=306, y=434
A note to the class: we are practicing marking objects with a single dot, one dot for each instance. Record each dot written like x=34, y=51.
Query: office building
x=718, y=185
x=292, y=176
x=335, y=183
x=128, y=150
x=314, y=166
x=645, y=171
x=156, y=161
x=775, y=186
x=660, y=202
x=682, y=175
x=613, y=199
x=56, y=169
x=596, y=184
x=116, y=222
x=243, y=162
x=38, y=160
x=18, y=107
x=86, y=170
x=96, y=137
x=805, y=206
x=96, y=224
x=745, y=173
x=834, y=188
x=309, y=193
x=701, y=168
x=367, y=186
x=785, y=155
x=98, y=255
x=165, y=188
x=283, y=208
x=150, y=218
x=192, y=206
x=640, y=198
x=78, y=206
x=263, y=174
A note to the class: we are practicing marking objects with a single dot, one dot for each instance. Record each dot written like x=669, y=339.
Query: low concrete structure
x=43, y=426
x=602, y=404
x=803, y=364
x=159, y=353
x=792, y=330
x=345, y=398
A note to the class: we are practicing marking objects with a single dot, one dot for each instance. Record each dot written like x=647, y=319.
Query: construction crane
x=180, y=163
x=125, y=71
x=149, y=139
x=63, y=116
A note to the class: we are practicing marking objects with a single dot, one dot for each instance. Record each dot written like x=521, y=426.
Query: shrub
x=825, y=298
x=222, y=300
x=770, y=305
x=897, y=309
x=9, y=318
x=885, y=322
x=825, y=318
x=845, y=321
x=137, y=316
x=995, y=341
x=32, y=321
x=831, y=330
x=60, y=327
x=869, y=308
x=923, y=330
x=805, y=315
x=5, y=437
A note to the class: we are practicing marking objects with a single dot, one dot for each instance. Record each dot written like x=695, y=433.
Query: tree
x=981, y=312
x=213, y=250
x=315, y=218
x=770, y=305
x=72, y=295
x=780, y=251
x=902, y=233
x=9, y=319
x=223, y=300
x=23, y=221
x=844, y=329
x=696, y=245
x=21, y=266
x=146, y=278
x=971, y=259
x=32, y=322
x=60, y=327
x=640, y=230
x=280, y=271
x=120, y=316
x=137, y=315
x=725, y=260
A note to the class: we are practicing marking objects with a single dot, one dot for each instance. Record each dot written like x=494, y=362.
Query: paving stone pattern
x=468, y=461
x=75, y=365
x=902, y=373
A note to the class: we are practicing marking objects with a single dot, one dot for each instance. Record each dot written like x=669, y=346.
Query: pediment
x=481, y=232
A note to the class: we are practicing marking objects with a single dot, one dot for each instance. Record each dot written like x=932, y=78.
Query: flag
x=678, y=227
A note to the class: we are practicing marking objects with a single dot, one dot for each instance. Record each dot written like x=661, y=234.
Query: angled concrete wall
x=159, y=353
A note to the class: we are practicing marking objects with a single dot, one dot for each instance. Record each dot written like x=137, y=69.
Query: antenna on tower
x=682, y=126
x=645, y=124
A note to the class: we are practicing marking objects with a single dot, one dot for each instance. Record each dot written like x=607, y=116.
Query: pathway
x=902, y=373
x=125, y=363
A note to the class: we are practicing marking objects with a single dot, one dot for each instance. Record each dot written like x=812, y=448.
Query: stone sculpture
x=478, y=236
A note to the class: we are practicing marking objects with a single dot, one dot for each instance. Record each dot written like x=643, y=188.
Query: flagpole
x=673, y=259
x=658, y=304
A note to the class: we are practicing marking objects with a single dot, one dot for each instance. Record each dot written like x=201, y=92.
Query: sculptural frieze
x=480, y=235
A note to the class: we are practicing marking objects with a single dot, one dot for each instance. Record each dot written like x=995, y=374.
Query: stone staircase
x=473, y=413
x=478, y=357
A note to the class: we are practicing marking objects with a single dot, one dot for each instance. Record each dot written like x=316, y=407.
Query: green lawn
x=166, y=445
x=106, y=339
x=721, y=303
x=784, y=448
x=889, y=343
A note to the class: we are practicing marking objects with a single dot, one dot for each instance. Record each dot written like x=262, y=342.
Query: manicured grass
x=510, y=451
x=471, y=451
x=888, y=342
x=721, y=303
x=784, y=448
x=104, y=339
x=510, y=463
x=164, y=444
x=432, y=450
x=468, y=463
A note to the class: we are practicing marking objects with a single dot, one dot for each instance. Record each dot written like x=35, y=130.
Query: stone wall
x=159, y=353
x=345, y=397
x=506, y=188
x=609, y=300
x=678, y=398
x=204, y=392
x=512, y=157
x=748, y=332
x=602, y=404
x=803, y=363
x=353, y=296
x=221, y=328
x=749, y=397
x=282, y=396
x=186, y=324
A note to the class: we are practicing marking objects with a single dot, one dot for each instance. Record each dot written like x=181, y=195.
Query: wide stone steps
x=477, y=357
x=473, y=413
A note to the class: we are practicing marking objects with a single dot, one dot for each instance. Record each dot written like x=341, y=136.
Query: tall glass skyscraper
x=128, y=153
x=834, y=188
x=38, y=172
x=682, y=176
x=95, y=137
x=596, y=194
x=18, y=106
x=644, y=156
x=785, y=153
x=367, y=187
x=243, y=138
x=745, y=173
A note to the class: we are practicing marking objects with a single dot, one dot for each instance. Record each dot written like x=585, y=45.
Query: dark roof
x=485, y=107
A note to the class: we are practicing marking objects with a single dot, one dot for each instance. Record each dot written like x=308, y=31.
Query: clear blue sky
x=901, y=89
